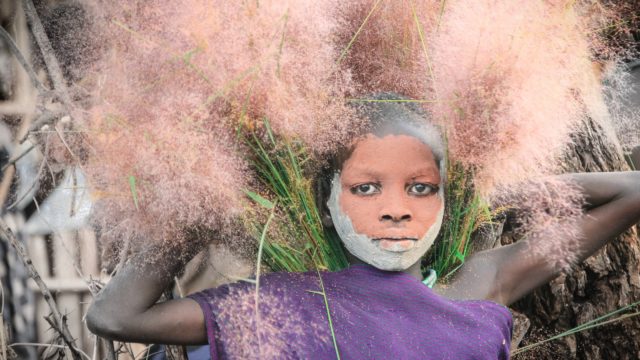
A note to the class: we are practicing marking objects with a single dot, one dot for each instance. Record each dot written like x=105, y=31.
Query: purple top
x=375, y=314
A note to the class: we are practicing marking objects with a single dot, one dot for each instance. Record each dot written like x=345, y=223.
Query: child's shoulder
x=274, y=282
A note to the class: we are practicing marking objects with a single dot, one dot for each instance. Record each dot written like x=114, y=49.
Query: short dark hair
x=384, y=114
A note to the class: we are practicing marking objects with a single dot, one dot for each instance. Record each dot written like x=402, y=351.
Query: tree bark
x=605, y=282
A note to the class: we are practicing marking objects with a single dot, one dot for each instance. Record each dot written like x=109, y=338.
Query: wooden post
x=38, y=249
x=65, y=259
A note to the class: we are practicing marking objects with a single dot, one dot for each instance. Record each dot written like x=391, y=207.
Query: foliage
x=300, y=242
x=465, y=211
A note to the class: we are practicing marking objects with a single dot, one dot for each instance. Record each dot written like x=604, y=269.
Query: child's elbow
x=103, y=323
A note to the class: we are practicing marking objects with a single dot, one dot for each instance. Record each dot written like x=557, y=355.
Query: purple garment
x=375, y=315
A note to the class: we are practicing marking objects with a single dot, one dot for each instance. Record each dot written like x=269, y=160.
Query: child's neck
x=414, y=270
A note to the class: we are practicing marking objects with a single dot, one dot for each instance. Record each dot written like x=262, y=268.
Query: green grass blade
x=586, y=326
x=259, y=199
x=134, y=192
x=326, y=305
x=258, y=263
x=355, y=36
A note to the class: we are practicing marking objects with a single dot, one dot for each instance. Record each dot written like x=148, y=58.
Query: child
x=384, y=198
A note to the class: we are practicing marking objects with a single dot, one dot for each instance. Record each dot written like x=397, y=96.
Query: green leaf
x=459, y=255
x=259, y=199
x=134, y=193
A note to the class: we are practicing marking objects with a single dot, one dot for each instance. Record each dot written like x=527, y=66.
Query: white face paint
x=369, y=250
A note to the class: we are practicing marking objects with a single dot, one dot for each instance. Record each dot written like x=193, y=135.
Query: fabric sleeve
x=505, y=325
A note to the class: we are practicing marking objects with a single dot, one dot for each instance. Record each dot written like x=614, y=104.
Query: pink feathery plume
x=545, y=213
x=177, y=79
x=512, y=80
x=383, y=45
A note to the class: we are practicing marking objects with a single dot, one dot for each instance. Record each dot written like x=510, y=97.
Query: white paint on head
x=394, y=258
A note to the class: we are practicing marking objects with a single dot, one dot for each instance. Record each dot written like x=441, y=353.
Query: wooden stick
x=36, y=178
x=15, y=159
x=8, y=235
x=48, y=55
x=66, y=347
x=45, y=118
x=22, y=60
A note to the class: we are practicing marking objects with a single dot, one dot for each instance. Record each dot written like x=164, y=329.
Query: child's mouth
x=396, y=244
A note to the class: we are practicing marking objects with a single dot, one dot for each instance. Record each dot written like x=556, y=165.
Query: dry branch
x=48, y=55
x=55, y=327
x=45, y=118
x=58, y=320
x=15, y=159
x=21, y=59
x=36, y=178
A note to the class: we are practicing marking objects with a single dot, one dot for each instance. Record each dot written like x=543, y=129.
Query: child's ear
x=322, y=194
x=326, y=220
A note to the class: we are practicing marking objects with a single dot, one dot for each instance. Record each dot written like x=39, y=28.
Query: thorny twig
x=48, y=55
x=46, y=118
x=53, y=67
x=15, y=159
x=36, y=178
x=38, y=345
x=55, y=327
x=93, y=285
x=21, y=59
x=8, y=235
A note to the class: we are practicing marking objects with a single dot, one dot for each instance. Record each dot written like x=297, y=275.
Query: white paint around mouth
x=369, y=250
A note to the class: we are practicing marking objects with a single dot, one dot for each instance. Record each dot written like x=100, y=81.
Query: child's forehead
x=373, y=142
x=389, y=144
x=426, y=135
x=396, y=154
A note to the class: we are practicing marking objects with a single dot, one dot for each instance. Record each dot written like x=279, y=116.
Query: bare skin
x=387, y=212
x=390, y=200
x=126, y=309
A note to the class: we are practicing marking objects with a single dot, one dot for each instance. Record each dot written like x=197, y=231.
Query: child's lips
x=396, y=238
x=396, y=244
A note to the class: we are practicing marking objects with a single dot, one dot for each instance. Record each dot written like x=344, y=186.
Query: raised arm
x=126, y=309
x=506, y=274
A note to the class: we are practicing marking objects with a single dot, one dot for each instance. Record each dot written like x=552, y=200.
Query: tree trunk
x=605, y=282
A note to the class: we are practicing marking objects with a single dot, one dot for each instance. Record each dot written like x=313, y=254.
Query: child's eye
x=365, y=189
x=421, y=189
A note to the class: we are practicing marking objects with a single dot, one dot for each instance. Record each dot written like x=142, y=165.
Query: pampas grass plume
x=177, y=79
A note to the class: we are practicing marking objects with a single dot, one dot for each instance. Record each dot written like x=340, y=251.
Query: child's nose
x=395, y=209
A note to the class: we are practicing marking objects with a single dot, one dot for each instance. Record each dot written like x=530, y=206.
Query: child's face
x=388, y=190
